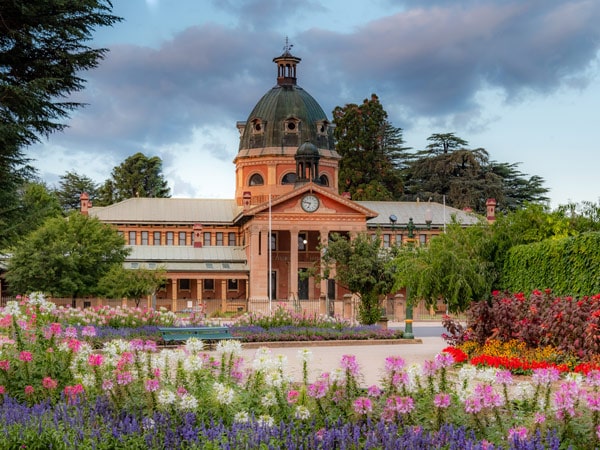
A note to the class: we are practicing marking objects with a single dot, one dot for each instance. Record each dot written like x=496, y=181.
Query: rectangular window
x=157, y=238
x=386, y=241
x=232, y=285
x=273, y=242
x=398, y=239
x=209, y=285
x=182, y=237
x=184, y=284
x=231, y=239
x=170, y=238
x=132, y=235
x=302, y=241
x=206, y=242
x=219, y=239
x=145, y=238
x=422, y=238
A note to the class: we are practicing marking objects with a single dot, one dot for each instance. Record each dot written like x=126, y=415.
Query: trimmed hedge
x=568, y=266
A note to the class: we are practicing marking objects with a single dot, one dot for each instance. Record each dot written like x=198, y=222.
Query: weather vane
x=287, y=47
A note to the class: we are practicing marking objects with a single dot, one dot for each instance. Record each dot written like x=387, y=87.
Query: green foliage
x=467, y=178
x=567, y=265
x=132, y=284
x=36, y=203
x=44, y=52
x=372, y=151
x=137, y=176
x=65, y=257
x=566, y=324
x=71, y=186
x=454, y=266
x=362, y=266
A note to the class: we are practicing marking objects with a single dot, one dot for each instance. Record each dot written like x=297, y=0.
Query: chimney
x=197, y=235
x=346, y=195
x=84, y=203
x=247, y=197
x=491, y=209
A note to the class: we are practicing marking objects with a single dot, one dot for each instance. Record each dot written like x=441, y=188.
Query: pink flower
x=539, y=418
x=124, y=378
x=593, y=401
x=107, y=385
x=71, y=332
x=292, y=396
x=317, y=389
x=374, y=391
x=152, y=385
x=29, y=390
x=25, y=356
x=2, y=390
x=181, y=391
x=441, y=400
x=444, y=359
x=517, y=434
x=429, y=368
x=363, y=405
x=95, y=359
x=5, y=365
x=74, y=345
x=402, y=405
x=504, y=377
x=89, y=331
x=55, y=329
x=350, y=364
x=49, y=383
x=394, y=363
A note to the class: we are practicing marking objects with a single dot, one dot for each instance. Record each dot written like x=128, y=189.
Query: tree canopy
x=372, y=151
x=71, y=186
x=65, y=257
x=132, y=284
x=454, y=266
x=43, y=52
x=362, y=266
x=137, y=176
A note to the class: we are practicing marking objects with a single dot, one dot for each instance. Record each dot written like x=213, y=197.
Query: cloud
x=428, y=63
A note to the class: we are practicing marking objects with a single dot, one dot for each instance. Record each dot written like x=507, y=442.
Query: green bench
x=212, y=334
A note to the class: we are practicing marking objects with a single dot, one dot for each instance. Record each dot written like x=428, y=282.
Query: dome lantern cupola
x=307, y=163
x=286, y=66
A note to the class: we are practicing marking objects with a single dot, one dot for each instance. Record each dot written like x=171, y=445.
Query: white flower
x=263, y=360
x=223, y=393
x=192, y=363
x=12, y=308
x=116, y=347
x=302, y=413
x=241, y=417
x=265, y=420
x=88, y=380
x=269, y=399
x=166, y=397
x=188, y=402
x=274, y=379
x=148, y=423
x=231, y=347
x=194, y=345
x=337, y=375
x=305, y=355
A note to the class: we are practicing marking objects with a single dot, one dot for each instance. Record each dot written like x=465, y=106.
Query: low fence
x=393, y=308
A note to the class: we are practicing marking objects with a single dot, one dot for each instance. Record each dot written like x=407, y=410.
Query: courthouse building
x=256, y=249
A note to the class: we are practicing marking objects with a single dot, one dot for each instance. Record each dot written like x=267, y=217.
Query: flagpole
x=270, y=260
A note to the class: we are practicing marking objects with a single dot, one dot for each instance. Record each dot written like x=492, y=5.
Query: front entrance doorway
x=302, y=285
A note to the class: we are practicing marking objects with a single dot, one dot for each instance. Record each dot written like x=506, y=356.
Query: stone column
x=174, y=294
x=223, y=295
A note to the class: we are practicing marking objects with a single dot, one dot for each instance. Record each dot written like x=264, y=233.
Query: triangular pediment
x=329, y=203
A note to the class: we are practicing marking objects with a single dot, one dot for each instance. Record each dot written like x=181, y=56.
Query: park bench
x=210, y=334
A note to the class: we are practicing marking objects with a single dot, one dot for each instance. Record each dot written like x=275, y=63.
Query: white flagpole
x=444, y=213
x=270, y=261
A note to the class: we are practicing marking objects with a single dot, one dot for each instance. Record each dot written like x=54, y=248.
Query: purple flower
x=444, y=359
x=394, y=363
x=89, y=331
x=517, y=434
x=374, y=391
x=504, y=377
x=545, y=375
x=350, y=364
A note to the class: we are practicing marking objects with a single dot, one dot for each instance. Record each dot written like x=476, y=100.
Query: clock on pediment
x=310, y=203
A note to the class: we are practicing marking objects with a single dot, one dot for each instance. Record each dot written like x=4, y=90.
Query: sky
x=519, y=78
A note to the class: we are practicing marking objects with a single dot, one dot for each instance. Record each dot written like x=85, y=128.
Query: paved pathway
x=371, y=358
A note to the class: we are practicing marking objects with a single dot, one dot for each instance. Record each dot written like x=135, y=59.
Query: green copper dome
x=286, y=116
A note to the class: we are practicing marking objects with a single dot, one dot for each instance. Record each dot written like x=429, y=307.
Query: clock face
x=310, y=203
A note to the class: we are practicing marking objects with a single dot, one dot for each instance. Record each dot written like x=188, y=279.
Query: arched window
x=324, y=180
x=289, y=178
x=256, y=180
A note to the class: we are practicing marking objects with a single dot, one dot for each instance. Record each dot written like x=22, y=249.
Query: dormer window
x=322, y=127
x=257, y=126
x=289, y=178
x=256, y=180
x=292, y=125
